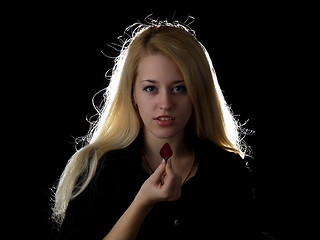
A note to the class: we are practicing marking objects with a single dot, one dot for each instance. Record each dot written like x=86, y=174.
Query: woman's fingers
x=158, y=173
x=170, y=172
x=169, y=166
x=162, y=185
x=171, y=183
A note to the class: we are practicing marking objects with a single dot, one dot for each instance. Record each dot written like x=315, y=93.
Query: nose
x=165, y=100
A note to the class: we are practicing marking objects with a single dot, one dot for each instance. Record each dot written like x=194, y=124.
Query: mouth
x=164, y=120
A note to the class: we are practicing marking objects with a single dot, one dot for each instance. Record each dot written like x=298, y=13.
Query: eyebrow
x=154, y=81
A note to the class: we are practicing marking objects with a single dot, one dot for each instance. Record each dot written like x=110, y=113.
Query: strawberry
x=166, y=151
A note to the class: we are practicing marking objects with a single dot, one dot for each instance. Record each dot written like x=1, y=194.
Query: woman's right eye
x=149, y=89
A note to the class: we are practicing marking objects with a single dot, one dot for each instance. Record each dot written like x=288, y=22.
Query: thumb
x=157, y=174
x=169, y=169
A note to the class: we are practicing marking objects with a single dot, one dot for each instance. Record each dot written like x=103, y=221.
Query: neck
x=152, y=146
x=183, y=162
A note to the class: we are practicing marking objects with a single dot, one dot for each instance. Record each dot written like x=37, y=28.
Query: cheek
x=187, y=108
x=144, y=109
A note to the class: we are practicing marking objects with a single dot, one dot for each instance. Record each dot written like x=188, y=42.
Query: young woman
x=163, y=89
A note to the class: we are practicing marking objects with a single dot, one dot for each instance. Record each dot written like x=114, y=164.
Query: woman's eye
x=179, y=89
x=149, y=89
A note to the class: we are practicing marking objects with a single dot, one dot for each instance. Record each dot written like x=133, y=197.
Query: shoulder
x=119, y=165
x=115, y=171
x=210, y=153
x=121, y=159
x=224, y=171
x=218, y=164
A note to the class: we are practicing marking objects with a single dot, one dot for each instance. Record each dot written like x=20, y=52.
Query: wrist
x=141, y=202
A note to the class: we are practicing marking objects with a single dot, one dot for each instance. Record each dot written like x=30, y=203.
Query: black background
x=58, y=66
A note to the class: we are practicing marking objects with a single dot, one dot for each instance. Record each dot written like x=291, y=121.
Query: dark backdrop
x=58, y=61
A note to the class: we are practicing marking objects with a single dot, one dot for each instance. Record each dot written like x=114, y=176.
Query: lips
x=164, y=120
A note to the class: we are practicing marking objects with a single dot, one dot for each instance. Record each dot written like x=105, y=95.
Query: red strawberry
x=166, y=151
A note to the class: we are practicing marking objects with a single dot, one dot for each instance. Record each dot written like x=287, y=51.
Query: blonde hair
x=119, y=123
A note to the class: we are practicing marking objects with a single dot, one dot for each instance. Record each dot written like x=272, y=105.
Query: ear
x=134, y=101
x=133, y=97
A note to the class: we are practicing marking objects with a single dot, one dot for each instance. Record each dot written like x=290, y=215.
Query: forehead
x=158, y=67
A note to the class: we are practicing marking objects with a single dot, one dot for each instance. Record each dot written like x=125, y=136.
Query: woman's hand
x=162, y=185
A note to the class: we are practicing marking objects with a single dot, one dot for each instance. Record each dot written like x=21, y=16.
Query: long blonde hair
x=119, y=123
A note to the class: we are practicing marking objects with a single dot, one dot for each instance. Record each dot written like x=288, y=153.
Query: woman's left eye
x=179, y=89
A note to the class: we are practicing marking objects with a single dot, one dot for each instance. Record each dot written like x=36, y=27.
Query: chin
x=165, y=134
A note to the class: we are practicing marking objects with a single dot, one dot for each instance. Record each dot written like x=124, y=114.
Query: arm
x=151, y=192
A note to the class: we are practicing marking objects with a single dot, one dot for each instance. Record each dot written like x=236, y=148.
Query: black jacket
x=216, y=203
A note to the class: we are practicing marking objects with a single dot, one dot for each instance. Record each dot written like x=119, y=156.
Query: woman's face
x=161, y=97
